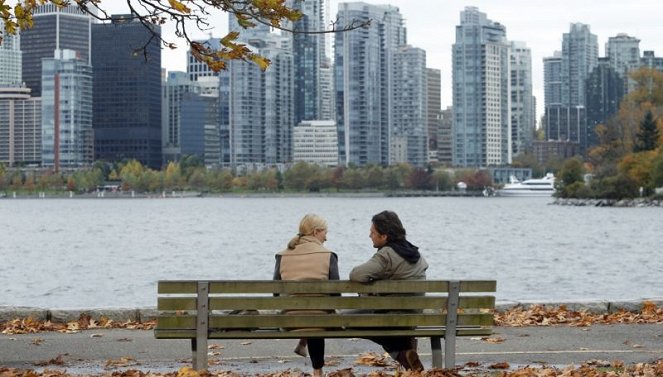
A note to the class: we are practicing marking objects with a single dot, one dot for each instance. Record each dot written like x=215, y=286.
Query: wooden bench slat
x=288, y=287
x=187, y=334
x=322, y=320
x=324, y=303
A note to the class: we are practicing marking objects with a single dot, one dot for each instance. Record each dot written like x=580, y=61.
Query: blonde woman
x=305, y=258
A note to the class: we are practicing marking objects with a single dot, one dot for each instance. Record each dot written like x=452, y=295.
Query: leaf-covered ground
x=536, y=315
x=615, y=369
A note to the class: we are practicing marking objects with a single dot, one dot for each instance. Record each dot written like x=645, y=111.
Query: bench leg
x=436, y=349
x=450, y=350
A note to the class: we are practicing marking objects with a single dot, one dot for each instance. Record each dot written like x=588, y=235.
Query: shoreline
x=8, y=313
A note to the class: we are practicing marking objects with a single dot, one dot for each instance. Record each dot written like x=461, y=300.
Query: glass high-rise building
x=309, y=56
x=410, y=116
x=10, y=59
x=53, y=29
x=364, y=82
x=66, y=111
x=605, y=90
x=580, y=52
x=127, y=92
x=257, y=107
x=523, y=116
x=481, y=92
x=623, y=53
x=434, y=105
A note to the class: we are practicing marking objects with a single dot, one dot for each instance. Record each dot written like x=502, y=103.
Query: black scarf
x=406, y=250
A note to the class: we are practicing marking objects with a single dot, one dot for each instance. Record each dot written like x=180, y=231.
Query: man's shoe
x=409, y=359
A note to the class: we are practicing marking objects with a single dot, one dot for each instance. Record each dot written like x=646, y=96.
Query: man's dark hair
x=388, y=223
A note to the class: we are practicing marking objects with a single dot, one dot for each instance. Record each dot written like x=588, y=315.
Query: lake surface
x=85, y=253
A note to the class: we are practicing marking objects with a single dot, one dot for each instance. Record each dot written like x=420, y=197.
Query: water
x=75, y=253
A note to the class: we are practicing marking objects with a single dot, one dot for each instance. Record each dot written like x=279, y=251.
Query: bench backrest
x=222, y=305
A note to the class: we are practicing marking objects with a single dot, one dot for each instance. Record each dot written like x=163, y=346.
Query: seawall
x=8, y=313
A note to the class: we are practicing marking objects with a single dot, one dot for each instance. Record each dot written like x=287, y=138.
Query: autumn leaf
x=372, y=359
x=178, y=6
x=502, y=365
x=261, y=61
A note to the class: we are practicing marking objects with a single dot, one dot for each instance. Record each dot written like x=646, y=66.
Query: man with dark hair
x=396, y=259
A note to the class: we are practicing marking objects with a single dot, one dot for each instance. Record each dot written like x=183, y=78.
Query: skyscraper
x=364, y=82
x=309, y=56
x=523, y=117
x=566, y=120
x=66, y=111
x=410, y=116
x=434, y=106
x=53, y=28
x=481, y=100
x=127, y=92
x=623, y=53
x=10, y=59
x=177, y=86
x=552, y=79
x=605, y=90
x=580, y=52
x=261, y=108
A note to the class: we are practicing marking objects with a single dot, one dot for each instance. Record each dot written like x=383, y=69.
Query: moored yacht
x=530, y=187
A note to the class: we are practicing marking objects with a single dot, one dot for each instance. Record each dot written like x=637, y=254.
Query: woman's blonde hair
x=307, y=227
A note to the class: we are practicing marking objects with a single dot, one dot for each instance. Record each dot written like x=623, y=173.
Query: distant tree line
x=189, y=174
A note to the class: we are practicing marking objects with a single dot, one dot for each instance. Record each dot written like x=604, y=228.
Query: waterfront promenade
x=99, y=350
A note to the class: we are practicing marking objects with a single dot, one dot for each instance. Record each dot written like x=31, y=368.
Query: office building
x=481, y=92
x=66, y=111
x=53, y=29
x=316, y=142
x=199, y=122
x=364, y=82
x=177, y=86
x=127, y=92
x=20, y=127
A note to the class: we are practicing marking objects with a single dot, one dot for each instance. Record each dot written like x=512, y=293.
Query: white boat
x=530, y=187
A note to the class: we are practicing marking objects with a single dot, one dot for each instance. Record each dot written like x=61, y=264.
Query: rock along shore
x=639, y=202
x=8, y=313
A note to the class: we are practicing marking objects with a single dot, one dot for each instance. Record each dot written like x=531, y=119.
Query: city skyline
x=537, y=23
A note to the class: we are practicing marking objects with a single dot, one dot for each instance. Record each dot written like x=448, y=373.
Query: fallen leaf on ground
x=372, y=360
x=58, y=360
x=347, y=372
x=96, y=335
x=502, y=365
x=121, y=362
x=215, y=347
x=245, y=343
x=494, y=340
x=37, y=341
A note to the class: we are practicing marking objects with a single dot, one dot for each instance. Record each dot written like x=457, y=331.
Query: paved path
x=94, y=351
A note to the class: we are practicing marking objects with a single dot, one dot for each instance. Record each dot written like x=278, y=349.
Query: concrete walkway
x=95, y=351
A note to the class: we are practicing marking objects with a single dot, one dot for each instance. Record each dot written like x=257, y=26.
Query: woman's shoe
x=301, y=350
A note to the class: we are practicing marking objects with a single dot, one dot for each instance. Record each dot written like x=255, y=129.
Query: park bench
x=228, y=309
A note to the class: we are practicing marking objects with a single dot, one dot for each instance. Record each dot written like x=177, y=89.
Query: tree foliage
x=187, y=17
x=648, y=135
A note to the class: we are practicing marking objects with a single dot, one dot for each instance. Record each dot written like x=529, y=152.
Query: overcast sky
x=540, y=24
